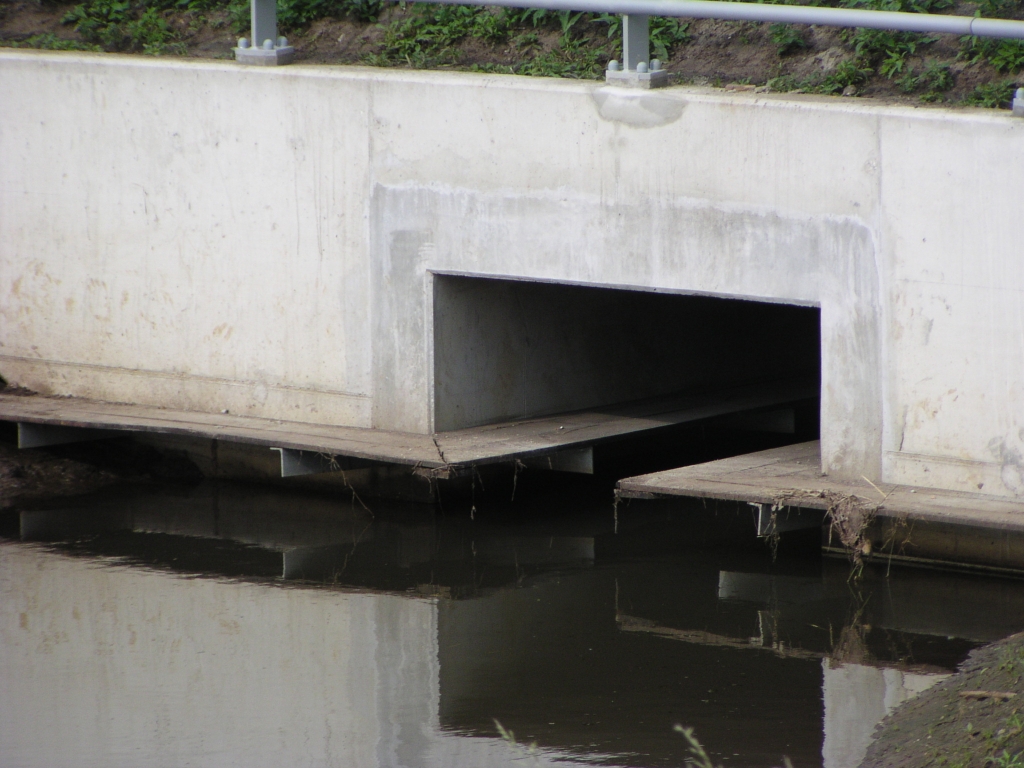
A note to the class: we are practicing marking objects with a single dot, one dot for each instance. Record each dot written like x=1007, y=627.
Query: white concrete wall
x=204, y=236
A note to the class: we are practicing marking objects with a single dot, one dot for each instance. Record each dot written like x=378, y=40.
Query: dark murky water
x=227, y=626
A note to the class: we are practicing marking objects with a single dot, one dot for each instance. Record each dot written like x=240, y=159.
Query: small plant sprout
x=786, y=38
x=509, y=737
x=1007, y=760
x=699, y=757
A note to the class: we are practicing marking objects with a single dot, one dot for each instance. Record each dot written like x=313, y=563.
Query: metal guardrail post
x=636, y=40
x=266, y=48
x=636, y=71
x=1018, y=103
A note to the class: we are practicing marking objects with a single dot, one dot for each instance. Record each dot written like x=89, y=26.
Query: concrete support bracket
x=265, y=49
x=774, y=521
x=39, y=435
x=295, y=463
x=636, y=71
x=578, y=460
x=1018, y=103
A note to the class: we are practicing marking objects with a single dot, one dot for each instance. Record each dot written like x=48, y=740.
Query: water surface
x=222, y=626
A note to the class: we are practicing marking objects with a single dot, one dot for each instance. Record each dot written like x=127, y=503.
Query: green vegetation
x=935, y=80
x=118, y=26
x=786, y=38
x=992, y=95
x=666, y=34
x=430, y=36
x=47, y=41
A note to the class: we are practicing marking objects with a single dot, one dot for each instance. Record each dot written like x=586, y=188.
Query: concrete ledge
x=903, y=524
x=441, y=454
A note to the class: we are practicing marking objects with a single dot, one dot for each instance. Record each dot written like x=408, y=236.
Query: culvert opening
x=507, y=350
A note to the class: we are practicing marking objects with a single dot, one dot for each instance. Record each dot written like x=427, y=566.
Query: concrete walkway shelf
x=914, y=525
x=443, y=452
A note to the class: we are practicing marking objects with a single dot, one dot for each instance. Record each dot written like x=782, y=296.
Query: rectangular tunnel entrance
x=508, y=350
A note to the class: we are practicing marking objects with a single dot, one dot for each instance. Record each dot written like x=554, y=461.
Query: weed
x=1008, y=56
x=534, y=16
x=903, y=6
x=886, y=50
x=526, y=41
x=1004, y=55
x=509, y=737
x=847, y=73
x=783, y=83
x=151, y=33
x=567, y=20
x=50, y=42
x=700, y=757
x=1007, y=760
x=118, y=26
x=429, y=36
x=996, y=7
x=665, y=34
x=295, y=14
x=100, y=21
x=786, y=38
x=934, y=81
x=240, y=16
x=568, y=61
x=992, y=95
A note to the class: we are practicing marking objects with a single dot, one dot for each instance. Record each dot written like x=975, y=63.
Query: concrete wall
x=203, y=236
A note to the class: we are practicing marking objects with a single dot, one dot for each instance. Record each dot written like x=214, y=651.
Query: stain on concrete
x=1011, y=460
x=638, y=109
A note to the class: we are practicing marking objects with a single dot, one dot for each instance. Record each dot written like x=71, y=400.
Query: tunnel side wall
x=513, y=349
x=204, y=236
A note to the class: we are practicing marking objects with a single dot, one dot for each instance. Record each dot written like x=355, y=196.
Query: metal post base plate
x=633, y=79
x=263, y=57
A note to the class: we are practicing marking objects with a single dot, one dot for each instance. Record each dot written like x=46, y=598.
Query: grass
x=50, y=42
x=786, y=38
x=992, y=95
x=117, y=25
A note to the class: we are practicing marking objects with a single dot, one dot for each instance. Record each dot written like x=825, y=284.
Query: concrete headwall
x=205, y=236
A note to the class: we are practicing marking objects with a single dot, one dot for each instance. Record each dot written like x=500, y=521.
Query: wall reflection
x=224, y=626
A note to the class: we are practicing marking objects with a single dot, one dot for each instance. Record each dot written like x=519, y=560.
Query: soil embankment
x=38, y=474
x=912, y=68
x=971, y=720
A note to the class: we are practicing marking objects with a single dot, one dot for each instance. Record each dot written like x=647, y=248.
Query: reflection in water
x=857, y=697
x=229, y=627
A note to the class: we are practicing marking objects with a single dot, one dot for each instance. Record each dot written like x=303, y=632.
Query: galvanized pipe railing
x=786, y=14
